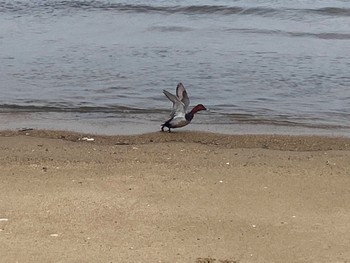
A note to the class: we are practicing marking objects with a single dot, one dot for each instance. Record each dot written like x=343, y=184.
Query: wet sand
x=179, y=197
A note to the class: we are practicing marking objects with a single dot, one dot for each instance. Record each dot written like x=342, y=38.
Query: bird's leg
x=162, y=128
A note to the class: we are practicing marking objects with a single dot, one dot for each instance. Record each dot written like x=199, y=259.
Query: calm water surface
x=100, y=66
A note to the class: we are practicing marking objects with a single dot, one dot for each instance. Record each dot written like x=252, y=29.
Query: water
x=100, y=66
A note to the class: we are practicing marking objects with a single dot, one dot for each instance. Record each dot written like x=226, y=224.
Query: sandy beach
x=173, y=197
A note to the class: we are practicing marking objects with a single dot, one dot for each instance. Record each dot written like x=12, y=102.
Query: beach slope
x=178, y=197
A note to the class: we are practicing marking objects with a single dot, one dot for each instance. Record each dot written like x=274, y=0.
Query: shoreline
x=139, y=126
x=263, y=141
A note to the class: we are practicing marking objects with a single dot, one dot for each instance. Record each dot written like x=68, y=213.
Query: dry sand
x=180, y=197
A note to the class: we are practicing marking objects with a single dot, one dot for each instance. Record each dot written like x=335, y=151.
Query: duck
x=180, y=116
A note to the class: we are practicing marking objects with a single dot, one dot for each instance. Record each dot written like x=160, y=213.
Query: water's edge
x=138, y=127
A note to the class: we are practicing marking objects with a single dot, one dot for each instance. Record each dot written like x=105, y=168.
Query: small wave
x=331, y=11
x=325, y=35
x=14, y=108
x=50, y=6
x=338, y=36
x=170, y=29
x=100, y=5
x=279, y=120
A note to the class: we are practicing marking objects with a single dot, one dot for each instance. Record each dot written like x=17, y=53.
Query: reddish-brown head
x=199, y=107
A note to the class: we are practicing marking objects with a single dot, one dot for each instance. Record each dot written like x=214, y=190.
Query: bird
x=180, y=116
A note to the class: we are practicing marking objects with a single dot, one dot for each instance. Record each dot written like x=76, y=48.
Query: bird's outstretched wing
x=178, y=105
x=182, y=95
